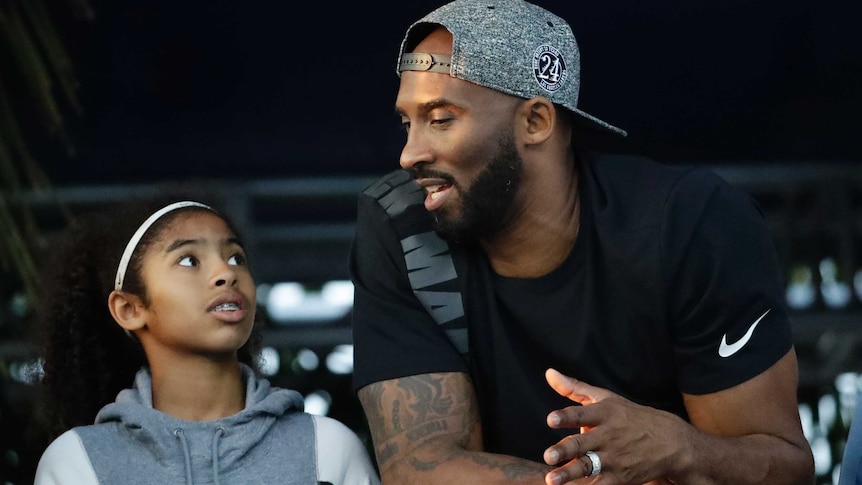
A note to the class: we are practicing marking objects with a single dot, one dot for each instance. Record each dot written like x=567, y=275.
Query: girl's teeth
x=226, y=307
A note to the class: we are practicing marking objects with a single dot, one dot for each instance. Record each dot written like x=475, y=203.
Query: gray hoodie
x=271, y=441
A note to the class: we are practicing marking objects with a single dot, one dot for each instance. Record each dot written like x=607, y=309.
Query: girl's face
x=202, y=295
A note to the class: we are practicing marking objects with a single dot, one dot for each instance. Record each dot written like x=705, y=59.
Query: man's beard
x=487, y=208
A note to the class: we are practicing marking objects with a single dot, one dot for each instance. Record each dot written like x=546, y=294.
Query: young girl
x=164, y=301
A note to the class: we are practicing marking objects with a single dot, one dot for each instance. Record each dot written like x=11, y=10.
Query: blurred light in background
x=18, y=305
x=835, y=290
x=306, y=360
x=293, y=302
x=340, y=360
x=270, y=361
x=27, y=371
x=318, y=402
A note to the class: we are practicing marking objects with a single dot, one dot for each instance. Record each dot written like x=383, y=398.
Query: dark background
x=768, y=92
x=254, y=89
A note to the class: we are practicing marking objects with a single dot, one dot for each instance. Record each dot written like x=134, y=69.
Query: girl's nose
x=225, y=275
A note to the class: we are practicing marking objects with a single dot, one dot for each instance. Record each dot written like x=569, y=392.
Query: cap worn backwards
x=511, y=46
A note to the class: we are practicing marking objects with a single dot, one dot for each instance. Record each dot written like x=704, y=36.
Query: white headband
x=136, y=238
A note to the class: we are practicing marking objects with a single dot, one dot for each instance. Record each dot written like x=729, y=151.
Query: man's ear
x=540, y=117
x=127, y=310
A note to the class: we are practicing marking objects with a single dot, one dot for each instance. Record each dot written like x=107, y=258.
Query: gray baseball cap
x=510, y=46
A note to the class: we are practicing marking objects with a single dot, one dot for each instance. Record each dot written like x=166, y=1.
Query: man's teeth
x=434, y=191
x=224, y=307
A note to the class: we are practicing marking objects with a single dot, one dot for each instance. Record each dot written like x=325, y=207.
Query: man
x=505, y=258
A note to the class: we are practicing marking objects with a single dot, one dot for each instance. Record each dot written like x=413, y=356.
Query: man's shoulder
x=394, y=191
x=397, y=201
x=640, y=170
x=643, y=179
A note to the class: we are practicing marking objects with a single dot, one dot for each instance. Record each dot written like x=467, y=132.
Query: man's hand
x=634, y=443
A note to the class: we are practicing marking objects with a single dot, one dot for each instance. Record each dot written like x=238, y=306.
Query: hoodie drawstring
x=181, y=436
x=219, y=432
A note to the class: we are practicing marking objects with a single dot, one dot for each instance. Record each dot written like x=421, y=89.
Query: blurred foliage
x=38, y=87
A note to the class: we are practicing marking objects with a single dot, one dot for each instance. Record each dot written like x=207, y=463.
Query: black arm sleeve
x=723, y=285
x=394, y=335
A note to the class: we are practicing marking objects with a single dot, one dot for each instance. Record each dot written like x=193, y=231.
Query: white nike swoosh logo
x=726, y=350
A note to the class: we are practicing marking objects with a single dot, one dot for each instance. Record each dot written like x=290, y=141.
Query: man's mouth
x=434, y=191
x=436, y=195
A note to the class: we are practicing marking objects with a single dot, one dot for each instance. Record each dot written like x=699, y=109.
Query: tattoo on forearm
x=396, y=418
x=427, y=394
x=511, y=468
x=372, y=398
x=386, y=452
x=426, y=429
x=422, y=466
x=406, y=413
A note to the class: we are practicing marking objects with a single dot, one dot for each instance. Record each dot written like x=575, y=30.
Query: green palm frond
x=36, y=77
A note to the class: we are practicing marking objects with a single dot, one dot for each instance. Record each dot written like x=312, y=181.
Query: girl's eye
x=236, y=260
x=188, y=261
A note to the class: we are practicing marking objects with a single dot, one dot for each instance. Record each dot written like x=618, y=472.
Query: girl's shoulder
x=342, y=457
x=65, y=461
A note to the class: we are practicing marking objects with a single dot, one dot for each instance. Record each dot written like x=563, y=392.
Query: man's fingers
x=573, y=470
x=574, y=389
x=576, y=417
x=570, y=447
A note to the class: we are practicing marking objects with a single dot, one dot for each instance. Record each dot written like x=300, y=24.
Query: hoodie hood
x=201, y=448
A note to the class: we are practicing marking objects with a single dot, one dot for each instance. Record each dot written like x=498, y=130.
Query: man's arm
x=747, y=434
x=426, y=429
x=764, y=414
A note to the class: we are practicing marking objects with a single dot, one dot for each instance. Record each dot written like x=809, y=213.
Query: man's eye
x=188, y=261
x=236, y=260
x=405, y=126
x=440, y=121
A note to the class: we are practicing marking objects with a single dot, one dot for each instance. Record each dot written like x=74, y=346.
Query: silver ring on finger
x=595, y=461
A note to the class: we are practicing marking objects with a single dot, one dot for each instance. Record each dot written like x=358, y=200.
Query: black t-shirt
x=672, y=268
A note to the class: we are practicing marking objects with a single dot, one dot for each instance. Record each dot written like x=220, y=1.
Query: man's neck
x=545, y=231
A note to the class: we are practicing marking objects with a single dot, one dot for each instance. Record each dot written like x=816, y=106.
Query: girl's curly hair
x=87, y=357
